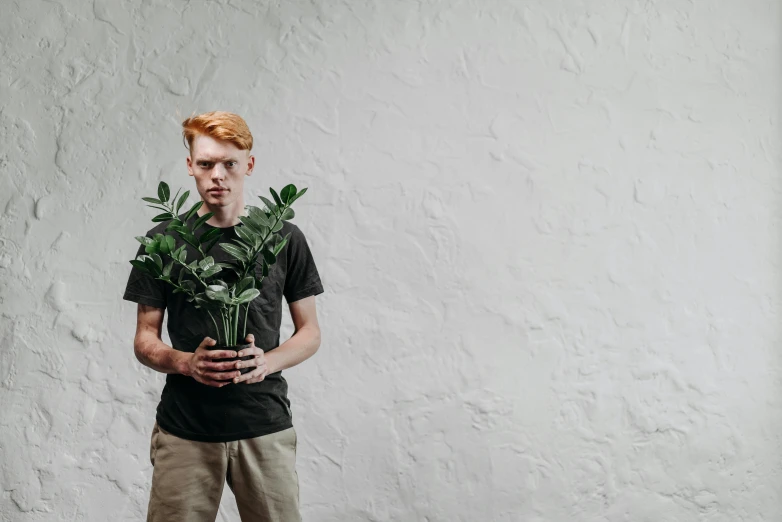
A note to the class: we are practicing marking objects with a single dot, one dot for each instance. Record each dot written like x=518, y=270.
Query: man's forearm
x=154, y=353
x=301, y=346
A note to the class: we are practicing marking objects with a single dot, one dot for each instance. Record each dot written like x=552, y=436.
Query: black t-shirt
x=195, y=411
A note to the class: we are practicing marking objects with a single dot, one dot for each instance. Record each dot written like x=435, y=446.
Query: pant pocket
x=153, y=443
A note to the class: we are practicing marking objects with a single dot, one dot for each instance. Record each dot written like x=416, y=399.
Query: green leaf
x=158, y=260
x=246, y=234
x=208, y=246
x=209, y=234
x=206, y=263
x=235, y=251
x=171, y=226
x=193, y=210
x=167, y=269
x=144, y=240
x=218, y=293
x=287, y=193
x=164, y=247
x=278, y=226
x=152, y=248
x=247, y=282
x=279, y=246
x=167, y=244
x=139, y=263
x=163, y=191
x=269, y=256
x=275, y=196
x=211, y=271
x=258, y=216
x=153, y=200
x=152, y=267
x=182, y=200
x=201, y=220
x=288, y=214
x=297, y=196
x=163, y=217
x=248, y=295
x=254, y=227
x=268, y=203
x=190, y=239
x=265, y=268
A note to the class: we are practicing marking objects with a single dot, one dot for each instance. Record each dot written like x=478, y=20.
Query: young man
x=213, y=423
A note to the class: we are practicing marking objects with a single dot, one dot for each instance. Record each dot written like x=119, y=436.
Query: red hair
x=219, y=125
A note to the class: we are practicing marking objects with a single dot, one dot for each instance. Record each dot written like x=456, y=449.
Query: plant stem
x=236, y=321
x=246, y=309
x=216, y=328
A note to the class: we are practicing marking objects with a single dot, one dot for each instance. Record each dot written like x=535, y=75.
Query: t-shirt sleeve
x=302, y=278
x=143, y=288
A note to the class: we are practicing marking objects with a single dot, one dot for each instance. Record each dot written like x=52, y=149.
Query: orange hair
x=219, y=125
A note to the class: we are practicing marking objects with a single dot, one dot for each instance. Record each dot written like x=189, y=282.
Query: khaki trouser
x=189, y=476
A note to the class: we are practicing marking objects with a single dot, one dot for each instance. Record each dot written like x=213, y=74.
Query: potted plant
x=200, y=278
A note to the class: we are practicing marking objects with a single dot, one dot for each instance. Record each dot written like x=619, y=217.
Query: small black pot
x=236, y=348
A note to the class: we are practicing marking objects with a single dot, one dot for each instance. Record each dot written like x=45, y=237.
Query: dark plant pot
x=235, y=347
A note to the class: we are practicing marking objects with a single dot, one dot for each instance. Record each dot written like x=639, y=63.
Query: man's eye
x=232, y=163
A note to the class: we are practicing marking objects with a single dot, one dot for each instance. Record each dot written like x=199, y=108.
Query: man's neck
x=223, y=216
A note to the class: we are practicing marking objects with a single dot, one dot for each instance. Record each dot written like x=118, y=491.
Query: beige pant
x=189, y=476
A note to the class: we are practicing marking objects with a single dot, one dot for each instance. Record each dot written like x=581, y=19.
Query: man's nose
x=218, y=172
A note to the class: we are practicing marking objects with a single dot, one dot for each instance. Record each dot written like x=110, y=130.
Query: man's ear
x=251, y=161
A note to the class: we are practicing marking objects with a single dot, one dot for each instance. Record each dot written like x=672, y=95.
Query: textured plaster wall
x=548, y=232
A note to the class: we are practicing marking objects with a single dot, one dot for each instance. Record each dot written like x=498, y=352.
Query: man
x=213, y=423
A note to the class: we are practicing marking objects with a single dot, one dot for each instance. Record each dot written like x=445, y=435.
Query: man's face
x=219, y=168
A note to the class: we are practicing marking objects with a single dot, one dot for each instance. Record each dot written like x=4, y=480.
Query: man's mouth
x=219, y=190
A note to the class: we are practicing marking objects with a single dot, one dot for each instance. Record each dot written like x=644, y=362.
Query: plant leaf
x=206, y=263
x=201, y=220
x=153, y=200
x=287, y=214
x=275, y=196
x=144, y=240
x=163, y=191
x=193, y=210
x=208, y=246
x=190, y=239
x=258, y=216
x=152, y=248
x=248, y=295
x=212, y=270
x=182, y=200
x=167, y=269
x=279, y=246
x=297, y=196
x=246, y=234
x=138, y=263
x=163, y=217
x=269, y=256
x=287, y=192
x=278, y=226
x=209, y=234
x=235, y=251
x=268, y=203
x=245, y=283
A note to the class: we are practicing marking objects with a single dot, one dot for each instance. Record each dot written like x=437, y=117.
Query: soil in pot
x=235, y=347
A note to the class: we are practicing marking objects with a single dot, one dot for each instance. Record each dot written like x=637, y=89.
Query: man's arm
x=305, y=340
x=149, y=347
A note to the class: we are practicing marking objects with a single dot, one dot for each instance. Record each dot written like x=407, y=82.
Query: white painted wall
x=548, y=231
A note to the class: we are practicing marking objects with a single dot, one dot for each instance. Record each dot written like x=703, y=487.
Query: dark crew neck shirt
x=192, y=410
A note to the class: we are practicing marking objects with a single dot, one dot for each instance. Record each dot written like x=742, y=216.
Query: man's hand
x=259, y=361
x=201, y=367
